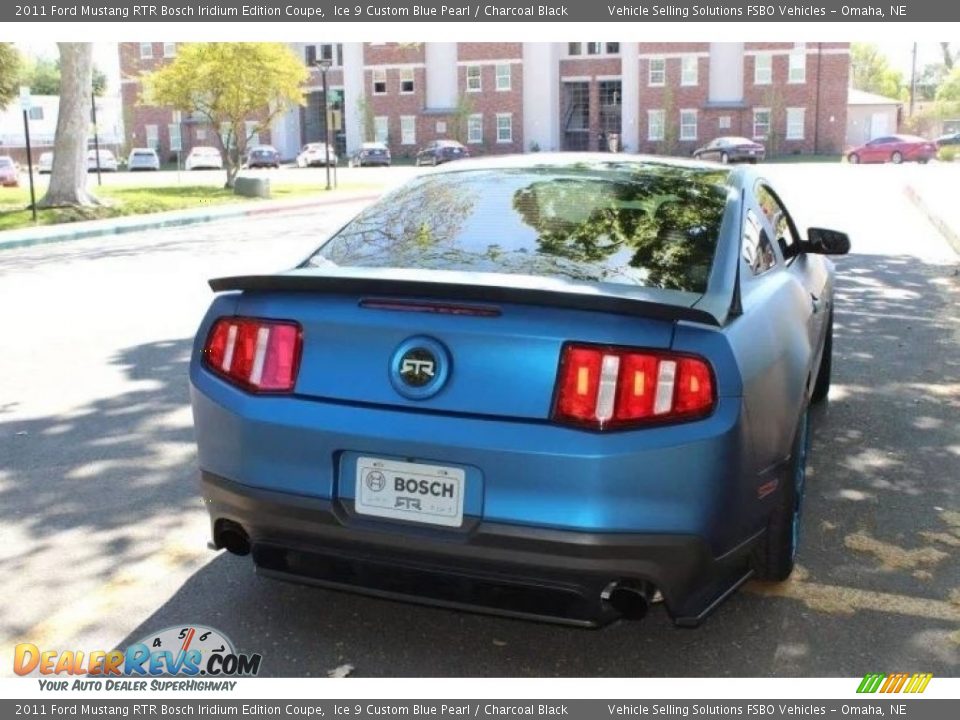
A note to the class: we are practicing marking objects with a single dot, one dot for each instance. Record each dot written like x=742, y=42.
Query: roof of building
x=859, y=97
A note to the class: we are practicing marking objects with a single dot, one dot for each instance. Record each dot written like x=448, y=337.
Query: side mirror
x=826, y=242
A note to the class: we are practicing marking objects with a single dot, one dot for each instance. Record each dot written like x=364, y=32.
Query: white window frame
x=579, y=51
x=795, y=124
x=755, y=134
x=763, y=72
x=381, y=122
x=250, y=131
x=662, y=72
x=173, y=132
x=408, y=75
x=689, y=70
x=503, y=71
x=473, y=139
x=688, y=112
x=723, y=122
x=797, y=67
x=378, y=75
x=169, y=50
x=148, y=55
x=656, y=119
x=509, y=128
x=151, y=135
x=408, y=129
x=474, y=73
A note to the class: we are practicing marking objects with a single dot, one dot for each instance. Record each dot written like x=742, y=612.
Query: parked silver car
x=108, y=161
x=143, y=159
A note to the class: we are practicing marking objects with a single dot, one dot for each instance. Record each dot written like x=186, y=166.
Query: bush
x=948, y=153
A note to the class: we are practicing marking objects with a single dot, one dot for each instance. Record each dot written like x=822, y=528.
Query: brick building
x=515, y=97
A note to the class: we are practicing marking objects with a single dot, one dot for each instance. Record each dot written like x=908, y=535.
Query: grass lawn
x=121, y=201
x=783, y=159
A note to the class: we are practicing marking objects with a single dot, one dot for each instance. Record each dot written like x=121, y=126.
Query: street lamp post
x=324, y=66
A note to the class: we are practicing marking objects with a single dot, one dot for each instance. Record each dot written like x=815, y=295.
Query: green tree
x=949, y=90
x=227, y=84
x=42, y=75
x=671, y=123
x=10, y=66
x=367, y=118
x=461, y=118
x=872, y=73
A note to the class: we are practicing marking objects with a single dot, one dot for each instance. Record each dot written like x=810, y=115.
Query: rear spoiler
x=667, y=305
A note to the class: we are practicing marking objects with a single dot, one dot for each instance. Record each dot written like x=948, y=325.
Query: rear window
x=6, y=162
x=143, y=154
x=635, y=224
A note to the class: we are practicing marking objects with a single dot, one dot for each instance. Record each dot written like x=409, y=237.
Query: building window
x=688, y=124
x=146, y=51
x=503, y=77
x=408, y=130
x=169, y=50
x=795, y=118
x=173, y=130
x=763, y=69
x=250, y=128
x=658, y=72
x=379, y=81
x=36, y=113
x=332, y=52
x=504, y=127
x=201, y=134
x=153, y=136
x=381, y=129
x=723, y=122
x=594, y=48
x=474, y=80
x=689, y=65
x=573, y=48
x=475, y=129
x=310, y=55
x=761, y=123
x=655, y=125
x=798, y=66
x=406, y=81
x=613, y=48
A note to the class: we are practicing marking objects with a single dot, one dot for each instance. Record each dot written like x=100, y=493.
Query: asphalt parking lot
x=102, y=533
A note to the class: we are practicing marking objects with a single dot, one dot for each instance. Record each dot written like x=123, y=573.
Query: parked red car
x=895, y=149
x=9, y=172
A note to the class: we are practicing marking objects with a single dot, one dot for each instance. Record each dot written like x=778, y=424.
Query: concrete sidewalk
x=935, y=193
x=43, y=234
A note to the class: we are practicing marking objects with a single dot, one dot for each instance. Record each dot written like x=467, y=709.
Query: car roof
x=373, y=145
x=205, y=148
x=263, y=147
x=737, y=138
x=143, y=150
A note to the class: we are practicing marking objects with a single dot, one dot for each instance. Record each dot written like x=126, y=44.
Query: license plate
x=409, y=491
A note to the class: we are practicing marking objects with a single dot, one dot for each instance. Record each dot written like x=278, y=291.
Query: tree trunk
x=68, y=177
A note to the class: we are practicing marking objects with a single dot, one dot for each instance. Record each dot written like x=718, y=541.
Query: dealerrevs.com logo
x=182, y=651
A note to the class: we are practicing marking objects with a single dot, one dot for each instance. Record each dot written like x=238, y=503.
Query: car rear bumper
x=529, y=572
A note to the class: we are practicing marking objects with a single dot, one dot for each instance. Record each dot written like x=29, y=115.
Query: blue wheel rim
x=799, y=481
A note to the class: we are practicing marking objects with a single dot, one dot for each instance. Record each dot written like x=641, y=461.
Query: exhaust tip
x=629, y=600
x=232, y=538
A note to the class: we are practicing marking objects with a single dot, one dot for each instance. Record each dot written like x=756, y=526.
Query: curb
x=946, y=230
x=43, y=235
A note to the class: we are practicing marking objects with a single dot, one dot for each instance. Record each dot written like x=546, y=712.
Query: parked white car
x=143, y=159
x=108, y=162
x=45, y=164
x=204, y=158
x=315, y=154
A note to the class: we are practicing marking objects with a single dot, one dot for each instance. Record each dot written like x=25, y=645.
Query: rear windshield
x=636, y=224
x=143, y=154
x=6, y=162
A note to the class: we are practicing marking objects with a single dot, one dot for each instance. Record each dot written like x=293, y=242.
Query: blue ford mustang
x=555, y=387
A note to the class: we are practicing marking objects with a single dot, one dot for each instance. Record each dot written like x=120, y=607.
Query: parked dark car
x=950, y=139
x=263, y=156
x=895, y=149
x=441, y=151
x=731, y=149
x=371, y=154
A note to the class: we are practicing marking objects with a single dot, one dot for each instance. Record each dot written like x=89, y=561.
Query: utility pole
x=96, y=133
x=913, y=78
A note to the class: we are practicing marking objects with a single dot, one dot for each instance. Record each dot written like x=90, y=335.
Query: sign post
x=25, y=104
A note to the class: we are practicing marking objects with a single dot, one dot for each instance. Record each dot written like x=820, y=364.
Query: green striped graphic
x=871, y=682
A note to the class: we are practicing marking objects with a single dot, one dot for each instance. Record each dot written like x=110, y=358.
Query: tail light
x=258, y=355
x=604, y=388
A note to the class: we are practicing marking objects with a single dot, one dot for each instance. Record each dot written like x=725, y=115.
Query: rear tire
x=853, y=159
x=776, y=556
x=822, y=387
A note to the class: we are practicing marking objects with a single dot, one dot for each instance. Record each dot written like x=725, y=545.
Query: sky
x=105, y=57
